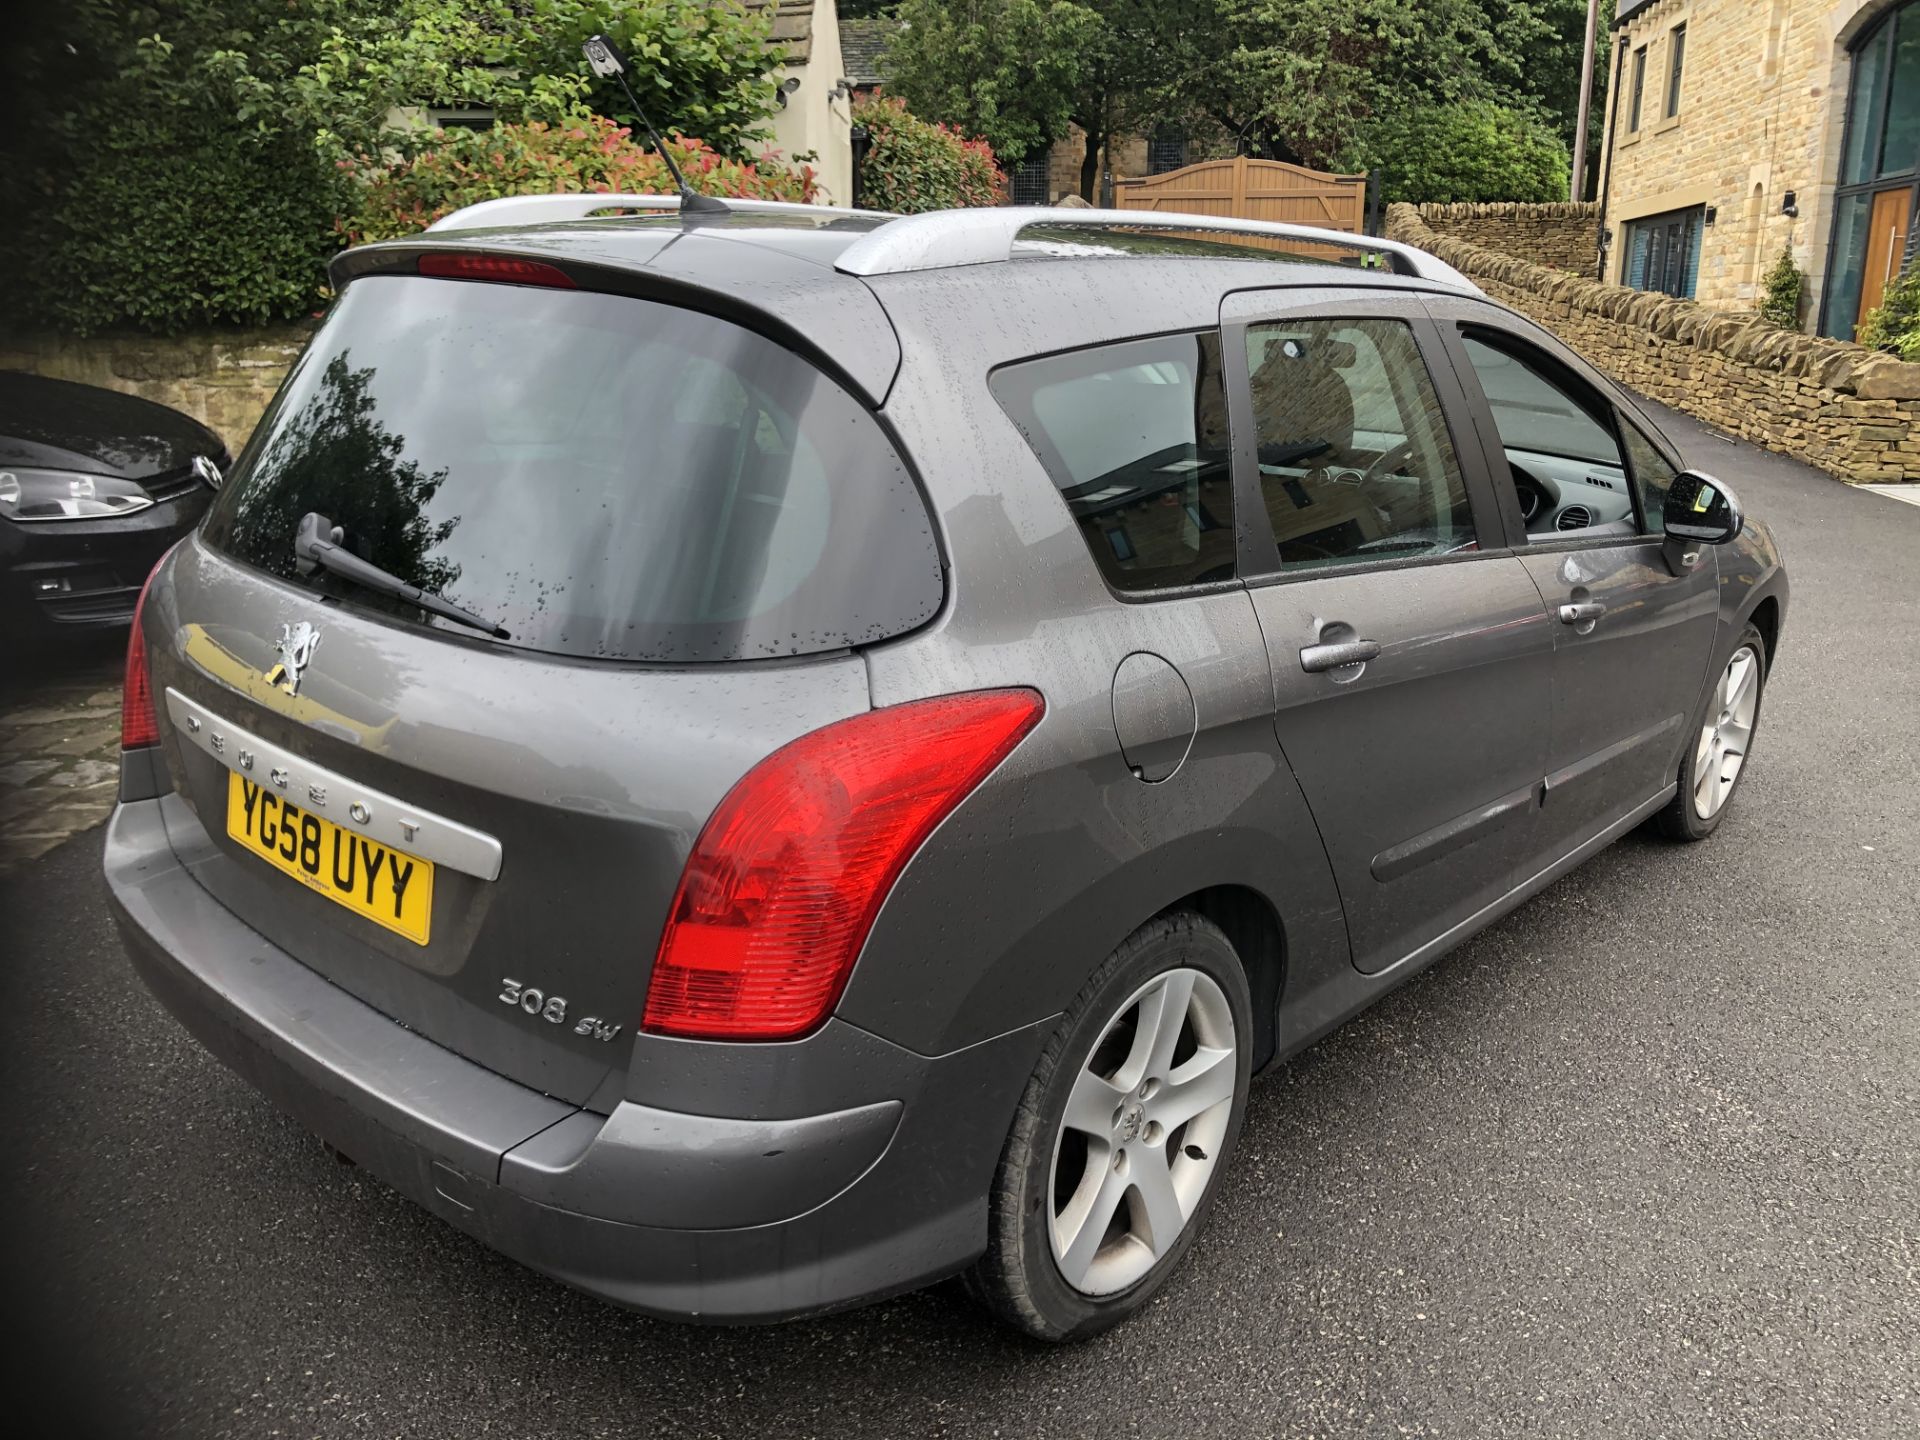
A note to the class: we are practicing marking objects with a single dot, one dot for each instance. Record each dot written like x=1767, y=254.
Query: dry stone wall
x=1563, y=236
x=1851, y=411
x=222, y=379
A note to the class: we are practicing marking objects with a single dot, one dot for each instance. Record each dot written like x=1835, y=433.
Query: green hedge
x=223, y=228
x=1473, y=150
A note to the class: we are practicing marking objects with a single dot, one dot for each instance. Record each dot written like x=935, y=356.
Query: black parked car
x=94, y=487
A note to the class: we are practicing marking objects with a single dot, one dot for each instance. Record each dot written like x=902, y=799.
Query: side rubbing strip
x=1475, y=825
x=1584, y=767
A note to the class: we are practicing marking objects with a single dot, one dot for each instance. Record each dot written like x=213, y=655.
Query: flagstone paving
x=59, y=748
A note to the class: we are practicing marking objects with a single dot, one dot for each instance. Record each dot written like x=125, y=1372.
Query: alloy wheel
x=1141, y=1137
x=1728, y=731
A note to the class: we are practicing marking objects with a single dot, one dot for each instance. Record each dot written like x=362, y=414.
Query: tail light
x=786, y=878
x=139, y=723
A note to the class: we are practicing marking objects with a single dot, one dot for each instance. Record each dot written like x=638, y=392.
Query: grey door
x=1411, y=658
x=1582, y=480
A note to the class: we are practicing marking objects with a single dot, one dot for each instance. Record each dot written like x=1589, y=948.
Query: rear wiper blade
x=316, y=546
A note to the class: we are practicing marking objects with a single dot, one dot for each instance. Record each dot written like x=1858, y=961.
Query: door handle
x=1582, y=612
x=1318, y=658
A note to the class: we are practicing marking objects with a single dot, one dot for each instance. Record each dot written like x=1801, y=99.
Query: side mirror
x=1700, y=510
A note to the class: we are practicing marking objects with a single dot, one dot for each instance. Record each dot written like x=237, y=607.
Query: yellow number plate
x=388, y=887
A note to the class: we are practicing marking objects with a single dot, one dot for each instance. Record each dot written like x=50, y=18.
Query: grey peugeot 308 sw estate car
x=756, y=761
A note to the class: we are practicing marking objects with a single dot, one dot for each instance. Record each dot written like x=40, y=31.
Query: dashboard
x=1563, y=494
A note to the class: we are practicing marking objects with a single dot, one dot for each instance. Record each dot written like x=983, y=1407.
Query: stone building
x=1737, y=127
x=815, y=115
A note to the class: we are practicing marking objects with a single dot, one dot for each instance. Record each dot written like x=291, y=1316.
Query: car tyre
x=1719, y=745
x=1153, y=1059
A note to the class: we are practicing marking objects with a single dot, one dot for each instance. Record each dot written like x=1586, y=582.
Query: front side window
x=1355, y=461
x=1566, y=466
x=1639, y=88
x=1652, y=475
x=603, y=476
x=1135, y=437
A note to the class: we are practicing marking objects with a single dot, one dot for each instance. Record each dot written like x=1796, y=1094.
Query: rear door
x=1411, y=659
x=1582, y=480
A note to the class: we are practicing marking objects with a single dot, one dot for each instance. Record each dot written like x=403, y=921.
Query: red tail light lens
x=494, y=267
x=784, y=881
x=139, y=724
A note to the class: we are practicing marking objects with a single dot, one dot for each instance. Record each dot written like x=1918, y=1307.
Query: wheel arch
x=1765, y=618
x=1253, y=926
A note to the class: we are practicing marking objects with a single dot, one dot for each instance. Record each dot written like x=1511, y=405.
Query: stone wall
x=223, y=379
x=1564, y=236
x=1851, y=411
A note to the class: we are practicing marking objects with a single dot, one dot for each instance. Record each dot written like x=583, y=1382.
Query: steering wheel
x=1389, y=462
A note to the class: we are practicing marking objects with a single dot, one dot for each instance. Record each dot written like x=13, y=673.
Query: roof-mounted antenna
x=605, y=58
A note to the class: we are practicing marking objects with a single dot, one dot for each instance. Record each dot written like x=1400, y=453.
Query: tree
x=1297, y=80
x=1004, y=70
x=1533, y=57
x=1465, y=150
x=1123, y=77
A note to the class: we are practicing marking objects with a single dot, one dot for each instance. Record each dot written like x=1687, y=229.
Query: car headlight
x=67, y=495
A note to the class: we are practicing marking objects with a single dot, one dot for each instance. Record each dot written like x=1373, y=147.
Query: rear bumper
x=684, y=1216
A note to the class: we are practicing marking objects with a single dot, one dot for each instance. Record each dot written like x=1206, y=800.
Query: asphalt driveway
x=1642, y=1160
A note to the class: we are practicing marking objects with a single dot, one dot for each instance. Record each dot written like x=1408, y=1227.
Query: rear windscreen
x=600, y=475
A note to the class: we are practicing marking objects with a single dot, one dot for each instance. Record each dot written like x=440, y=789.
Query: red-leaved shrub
x=914, y=165
x=404, y=195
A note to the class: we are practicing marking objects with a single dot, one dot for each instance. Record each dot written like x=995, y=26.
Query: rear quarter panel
x=1028, y=886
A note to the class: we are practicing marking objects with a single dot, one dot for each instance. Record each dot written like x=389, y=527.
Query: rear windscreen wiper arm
x=316, y=546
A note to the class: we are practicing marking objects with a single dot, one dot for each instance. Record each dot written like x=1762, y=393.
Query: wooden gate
x=1252, y=190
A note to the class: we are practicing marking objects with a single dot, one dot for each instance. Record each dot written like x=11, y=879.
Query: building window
x=1874, y=222
x=1676, y=62
x=1030, y=178
x=1639, y=90
x=1663, y=252
x=1166, y=152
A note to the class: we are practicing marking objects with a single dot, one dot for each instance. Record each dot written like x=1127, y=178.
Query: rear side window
x=603, y=476
x=1135, y=437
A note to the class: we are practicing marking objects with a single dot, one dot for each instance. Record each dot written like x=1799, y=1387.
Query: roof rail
x=551, y=209
x=943, y=238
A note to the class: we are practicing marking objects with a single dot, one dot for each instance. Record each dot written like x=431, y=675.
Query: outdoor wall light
x=1713, y=213
x=1790, y=205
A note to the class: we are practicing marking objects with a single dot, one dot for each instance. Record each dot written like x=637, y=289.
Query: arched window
x=1874, y=222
